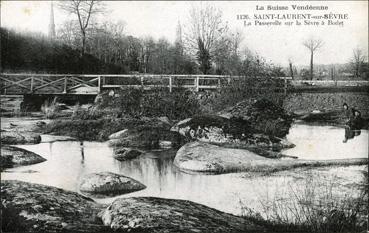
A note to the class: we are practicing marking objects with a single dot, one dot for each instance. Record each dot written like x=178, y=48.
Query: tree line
x=84, y=44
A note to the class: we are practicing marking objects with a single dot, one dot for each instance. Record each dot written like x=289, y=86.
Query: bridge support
x=65, y=85
x=99, y=84
x=170, y=84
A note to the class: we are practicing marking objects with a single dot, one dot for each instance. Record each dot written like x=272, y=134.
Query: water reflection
x=82, y=152
x=68, y=161
x=351, y=133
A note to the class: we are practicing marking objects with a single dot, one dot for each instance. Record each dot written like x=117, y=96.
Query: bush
x=135, y=102
x=243, y=88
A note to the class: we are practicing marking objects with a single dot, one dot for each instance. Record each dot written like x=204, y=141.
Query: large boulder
x=150, y=214
x=263, y=115
x=14, y=137
x=109, y=184
x=13, y=156
x=204, y=157
x=122, y=154
x=27, y=207
x=208, y=158
x=233, y=132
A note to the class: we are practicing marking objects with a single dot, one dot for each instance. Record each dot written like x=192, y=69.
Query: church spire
x=179, y=33
x=51, y=23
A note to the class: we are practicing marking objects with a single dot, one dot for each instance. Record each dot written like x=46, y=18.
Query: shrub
x=243, y=88
x=135, y=102
x=100, y=129
x=91, y=113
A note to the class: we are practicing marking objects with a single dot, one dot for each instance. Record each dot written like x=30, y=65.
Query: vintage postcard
x=184, y=116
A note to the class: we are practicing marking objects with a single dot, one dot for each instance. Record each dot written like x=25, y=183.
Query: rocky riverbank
x=32, y=207
x=39, y=208
x=169, y=215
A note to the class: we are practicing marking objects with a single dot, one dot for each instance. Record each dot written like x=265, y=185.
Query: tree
x=205, y=34
x=84, y=10
x=68, y=33
x=313, y=45
x=236, y=38
x=203, y=57
x=357, y=61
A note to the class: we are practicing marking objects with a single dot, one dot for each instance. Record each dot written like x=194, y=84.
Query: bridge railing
x=94, y=83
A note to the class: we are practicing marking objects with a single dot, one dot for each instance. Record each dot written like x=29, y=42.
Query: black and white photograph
x=184, y=116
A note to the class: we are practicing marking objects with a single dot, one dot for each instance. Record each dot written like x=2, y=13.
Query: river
x=68, y=161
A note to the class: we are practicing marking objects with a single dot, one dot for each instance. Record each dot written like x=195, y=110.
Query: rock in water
x=13, y=156
x=204, y=157
x=119, y=134
x=263, y=115
x=146, y=136
x=13, y=137
x=151, y=214
x=208, y=158
x=122, y=154
x=109, y=184
x=28, y=207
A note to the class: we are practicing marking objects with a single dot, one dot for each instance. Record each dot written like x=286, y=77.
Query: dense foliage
x=26, y=52
x=157, y=103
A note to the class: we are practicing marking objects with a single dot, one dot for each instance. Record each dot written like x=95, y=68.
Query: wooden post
x=197, y=83
x=65, y=85
x=99, y=84
x=285, y=85
x=170, y=84
x=32, y=83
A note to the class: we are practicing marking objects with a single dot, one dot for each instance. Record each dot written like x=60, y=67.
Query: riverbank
x=27, y=206
x=303, y=103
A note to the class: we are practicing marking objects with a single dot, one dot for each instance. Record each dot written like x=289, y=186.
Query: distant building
x=51, y=23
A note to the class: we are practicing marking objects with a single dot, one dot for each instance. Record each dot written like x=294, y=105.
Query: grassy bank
x=315, y=206
x=307, y=102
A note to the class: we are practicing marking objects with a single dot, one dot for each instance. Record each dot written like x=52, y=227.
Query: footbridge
x=92, y=84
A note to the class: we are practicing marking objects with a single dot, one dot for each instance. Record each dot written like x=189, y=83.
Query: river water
x=68, y=161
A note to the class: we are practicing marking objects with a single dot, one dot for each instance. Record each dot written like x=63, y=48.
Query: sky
x=277, y=44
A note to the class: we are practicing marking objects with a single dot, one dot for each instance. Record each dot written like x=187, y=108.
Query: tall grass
x=50, y=108
x=314, y=207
